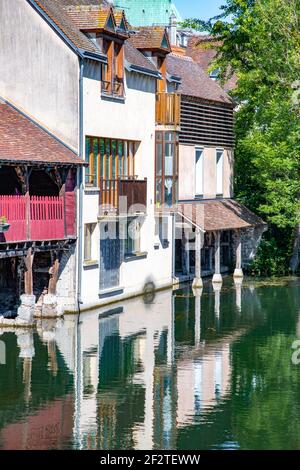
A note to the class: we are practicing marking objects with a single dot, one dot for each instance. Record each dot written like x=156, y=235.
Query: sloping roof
x=136, y=58
x=21, y=140
x=95, y=18
x=55, y=11
x=154, y=37
x=202, y=49
x=194, y=81
x=225, y=214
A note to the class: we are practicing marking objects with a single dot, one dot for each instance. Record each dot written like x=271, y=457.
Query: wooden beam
x=54, y=271
x=28, y=278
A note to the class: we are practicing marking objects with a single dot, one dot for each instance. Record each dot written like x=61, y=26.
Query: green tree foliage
x=260, y=43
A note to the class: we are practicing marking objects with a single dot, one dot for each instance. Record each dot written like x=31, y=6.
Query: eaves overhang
x=138, y=69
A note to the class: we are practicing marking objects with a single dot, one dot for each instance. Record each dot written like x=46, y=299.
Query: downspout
x=173, y=246
x=80, y=185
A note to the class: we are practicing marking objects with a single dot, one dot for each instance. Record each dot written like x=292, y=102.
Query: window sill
x=91, y=189
x=90, y=264
x=112, y=97
x=134, y=256
x=110, y=292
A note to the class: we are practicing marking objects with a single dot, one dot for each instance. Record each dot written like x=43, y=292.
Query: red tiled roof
x=22, y=140
x=135, y=57
x=55, y=11
x=88, y=19
x=202, y=49
x=226, y=214
x=194, y=81
x=146, y=38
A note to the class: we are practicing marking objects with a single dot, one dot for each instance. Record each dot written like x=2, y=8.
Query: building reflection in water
x=127, y=377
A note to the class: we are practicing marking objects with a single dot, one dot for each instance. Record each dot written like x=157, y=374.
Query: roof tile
x=194, y=81
x=226, y=214
x=23, y=140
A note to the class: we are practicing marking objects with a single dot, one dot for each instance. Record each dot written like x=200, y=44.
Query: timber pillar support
x=197, y=283
x=50, y=307
x=217, y=277
x=238, y=272
x=26, y=309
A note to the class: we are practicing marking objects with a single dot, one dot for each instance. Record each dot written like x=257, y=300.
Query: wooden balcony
x=168, y=109
x=113, y=192
x=37, y=218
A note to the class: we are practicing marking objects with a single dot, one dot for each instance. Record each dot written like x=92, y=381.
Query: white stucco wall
x=133, y=119
x=187, y=175
x=39, y=72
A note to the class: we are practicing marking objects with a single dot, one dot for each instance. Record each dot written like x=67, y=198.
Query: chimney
x=173, y=29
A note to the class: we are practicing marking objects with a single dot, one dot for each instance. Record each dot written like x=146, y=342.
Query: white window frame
x=199, y=194
x=219, y=183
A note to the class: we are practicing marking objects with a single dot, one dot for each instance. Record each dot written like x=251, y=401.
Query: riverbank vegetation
x=259, y=41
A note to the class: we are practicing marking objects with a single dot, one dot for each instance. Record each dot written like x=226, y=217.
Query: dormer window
x=214, y=74
x=113, y=71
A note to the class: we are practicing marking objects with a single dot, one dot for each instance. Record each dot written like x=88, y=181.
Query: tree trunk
x=294, y=261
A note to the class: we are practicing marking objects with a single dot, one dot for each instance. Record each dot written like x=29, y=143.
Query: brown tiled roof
x=226, y=214
x=21, y=140
x=135, y=57
x=202, y=49
x=94, y=17
x=194, y=81
x=89, y=19
x=55, y=11
x=146, y=38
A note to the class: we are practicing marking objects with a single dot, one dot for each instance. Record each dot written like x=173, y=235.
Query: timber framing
x=12, y=250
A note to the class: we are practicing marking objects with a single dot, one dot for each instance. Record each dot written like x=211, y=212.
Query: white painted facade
x=187, y=167
x=133, y=119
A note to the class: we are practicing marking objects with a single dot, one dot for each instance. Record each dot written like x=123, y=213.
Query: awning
x=224, y=214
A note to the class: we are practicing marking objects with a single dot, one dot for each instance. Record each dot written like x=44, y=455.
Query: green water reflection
x=210, y=369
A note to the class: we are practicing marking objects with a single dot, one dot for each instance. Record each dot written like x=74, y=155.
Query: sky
x=203, y=9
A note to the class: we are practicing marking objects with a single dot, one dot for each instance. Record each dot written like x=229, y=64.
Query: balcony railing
x=34, y=218
x=168, y=109
x=113, y=191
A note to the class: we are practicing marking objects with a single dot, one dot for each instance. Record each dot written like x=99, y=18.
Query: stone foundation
x=26, y=309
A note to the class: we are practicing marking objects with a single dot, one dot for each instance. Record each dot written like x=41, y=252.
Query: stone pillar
x=217, y=278
x=197, y=293
x=198, y=246
x=217, y=290
x=238, y=281
x=238, y=272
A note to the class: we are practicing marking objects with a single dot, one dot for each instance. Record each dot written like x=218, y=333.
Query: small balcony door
x=199, y=172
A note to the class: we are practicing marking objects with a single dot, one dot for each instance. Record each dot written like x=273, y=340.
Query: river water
x=208, y=369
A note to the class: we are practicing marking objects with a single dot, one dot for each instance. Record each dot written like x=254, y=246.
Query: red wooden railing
x=33, y=218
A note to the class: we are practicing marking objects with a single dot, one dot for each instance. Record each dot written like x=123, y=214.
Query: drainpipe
x=80, y=185
x=173, y=245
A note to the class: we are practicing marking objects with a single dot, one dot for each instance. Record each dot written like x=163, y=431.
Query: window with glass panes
x=166, y=168
x=109, y=159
